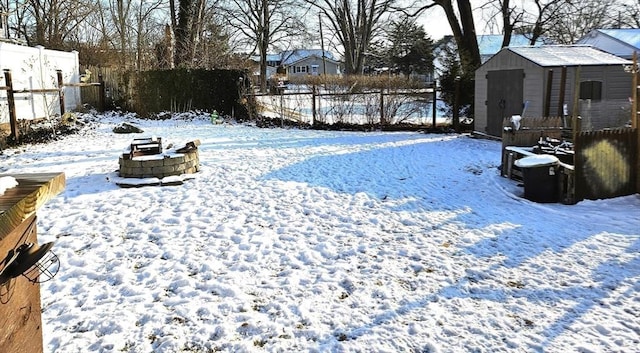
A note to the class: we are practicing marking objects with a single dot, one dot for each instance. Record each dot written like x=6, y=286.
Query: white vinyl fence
x=33, y=69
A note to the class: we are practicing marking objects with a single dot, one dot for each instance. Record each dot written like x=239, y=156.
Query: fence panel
x=605, y=163
x=115, y=89
x=36, y=69
x=332, y=106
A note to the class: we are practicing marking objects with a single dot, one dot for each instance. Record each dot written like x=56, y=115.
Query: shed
x=541, y=81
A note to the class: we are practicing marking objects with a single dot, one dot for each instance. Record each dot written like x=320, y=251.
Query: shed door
x=504, y=97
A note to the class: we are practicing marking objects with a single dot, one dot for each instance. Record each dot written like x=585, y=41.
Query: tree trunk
x=506, y=23
x=465, y=34
x=264, y=45
x=183, y=35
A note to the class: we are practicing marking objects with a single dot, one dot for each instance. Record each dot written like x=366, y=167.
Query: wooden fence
x=114, y=90
x=528, y=133
x=606, y=163
x=59, y=91
x=530, y=130
x=334, y=106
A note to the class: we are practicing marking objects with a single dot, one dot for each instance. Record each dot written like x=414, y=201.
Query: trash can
x=540, y=174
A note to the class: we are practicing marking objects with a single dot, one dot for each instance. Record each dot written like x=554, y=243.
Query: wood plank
x=22, y=201
x=20, y=311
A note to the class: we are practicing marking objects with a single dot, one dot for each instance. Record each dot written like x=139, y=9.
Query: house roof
x=630, y=36
x=567, y=55
x=291, y=56
x=317, y=57
x=270, y=57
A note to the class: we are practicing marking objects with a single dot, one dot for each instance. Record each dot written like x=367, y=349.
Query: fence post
x=60, y=91
x=313, y=105
x=382, y=106
x=13, y=121
x=101, y=94
x=456, y=106
x=434, y=106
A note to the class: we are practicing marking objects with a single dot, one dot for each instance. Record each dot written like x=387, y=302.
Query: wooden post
x=456, y=106
x=634, y=92
x=563, y=82
x=382, y=117
x=434, y=107
x=61, y=91
x=547, y=98
x=313, y=105
x=576, y=100
x=101, y=94
x=635, y=117
x=20, y=305
x=13, y=121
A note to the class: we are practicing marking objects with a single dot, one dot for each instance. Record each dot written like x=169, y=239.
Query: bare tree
x=121, y=18
x=560, y=21
x=576, y=19
x=146, y=29
x=355, y=23
x=261, y=24
x=629, y=14
x=51, y=22
x=459, y=14
x=503, y=14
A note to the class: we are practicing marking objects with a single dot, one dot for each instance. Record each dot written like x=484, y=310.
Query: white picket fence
x=34, y=68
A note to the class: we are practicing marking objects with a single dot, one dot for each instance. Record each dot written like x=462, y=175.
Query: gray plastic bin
x=540, y=174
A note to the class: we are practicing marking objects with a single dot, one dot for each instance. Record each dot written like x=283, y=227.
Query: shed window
x=591, y=90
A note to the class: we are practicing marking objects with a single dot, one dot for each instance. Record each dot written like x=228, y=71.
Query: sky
x=292, y=240
x=435, y=23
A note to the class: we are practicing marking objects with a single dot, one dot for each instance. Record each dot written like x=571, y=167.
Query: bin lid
x=539, y=160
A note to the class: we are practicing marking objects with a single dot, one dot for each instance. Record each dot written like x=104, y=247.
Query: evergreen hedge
x=192, y=89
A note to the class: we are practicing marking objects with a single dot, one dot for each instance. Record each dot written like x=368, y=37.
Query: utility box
x=20, y=318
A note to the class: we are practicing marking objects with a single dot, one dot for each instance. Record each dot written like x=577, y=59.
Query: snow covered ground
x=324, y=241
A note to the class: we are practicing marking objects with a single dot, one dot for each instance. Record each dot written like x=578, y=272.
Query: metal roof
x=490, y=44
x=292, y=56
x=629, y=36
x=567, y=55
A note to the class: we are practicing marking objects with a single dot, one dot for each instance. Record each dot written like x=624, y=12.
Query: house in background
x=300, y=62
x=516, y=75
x=621, y=42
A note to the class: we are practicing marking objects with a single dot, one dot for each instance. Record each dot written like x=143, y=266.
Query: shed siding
x=533, y=86
x=610, y=112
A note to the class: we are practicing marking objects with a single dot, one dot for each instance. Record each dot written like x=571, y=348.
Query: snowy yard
x=324, y=241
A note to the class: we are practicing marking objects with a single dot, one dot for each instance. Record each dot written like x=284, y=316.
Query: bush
x=198, y=89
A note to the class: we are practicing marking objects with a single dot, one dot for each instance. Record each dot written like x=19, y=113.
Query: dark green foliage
x=452, y=75
x=411, y=50
x=195, y=89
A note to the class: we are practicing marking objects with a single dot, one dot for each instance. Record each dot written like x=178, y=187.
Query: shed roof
x=567, y=55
